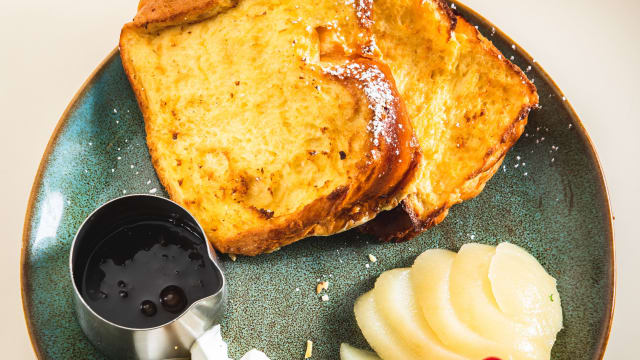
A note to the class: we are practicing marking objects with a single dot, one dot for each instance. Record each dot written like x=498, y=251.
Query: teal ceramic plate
x=548, y=197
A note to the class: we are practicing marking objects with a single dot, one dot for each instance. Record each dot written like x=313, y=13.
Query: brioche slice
x=263, y=118
x=468, y=105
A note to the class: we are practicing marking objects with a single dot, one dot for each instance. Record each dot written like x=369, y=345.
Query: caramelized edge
x=154, y=15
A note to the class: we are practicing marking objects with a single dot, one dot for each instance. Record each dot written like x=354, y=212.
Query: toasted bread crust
x=444, y=8
x=381, y=181
x=154, y=15
x=403, y=223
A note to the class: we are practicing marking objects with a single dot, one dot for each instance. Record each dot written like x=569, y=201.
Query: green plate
x=549, y=197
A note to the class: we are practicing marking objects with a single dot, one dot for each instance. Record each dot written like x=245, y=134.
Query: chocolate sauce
x=146, y=273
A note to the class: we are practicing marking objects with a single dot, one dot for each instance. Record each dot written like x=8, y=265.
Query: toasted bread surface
x=467, y=102
x=264, y=119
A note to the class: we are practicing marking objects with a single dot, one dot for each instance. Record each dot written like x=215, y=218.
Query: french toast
x=468, y=105
x=269, y=120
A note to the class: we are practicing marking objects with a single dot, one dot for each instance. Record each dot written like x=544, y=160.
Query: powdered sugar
x=371, y=47
x=363, y=11
x=376, y=87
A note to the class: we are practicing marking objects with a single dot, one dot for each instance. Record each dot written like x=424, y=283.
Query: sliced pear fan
x=479, y=303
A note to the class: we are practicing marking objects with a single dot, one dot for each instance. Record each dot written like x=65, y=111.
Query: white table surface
x=590, y=47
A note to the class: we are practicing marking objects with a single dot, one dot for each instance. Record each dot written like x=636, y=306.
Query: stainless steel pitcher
x=172, y=340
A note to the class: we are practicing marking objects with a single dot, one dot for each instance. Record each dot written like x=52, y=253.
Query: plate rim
x=35, y=187
x=37, y=183
x=604, y=340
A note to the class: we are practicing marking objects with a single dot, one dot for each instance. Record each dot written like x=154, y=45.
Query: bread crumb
x=325, y=297
x=307, y=354
x=322, y=285
x=232, y=257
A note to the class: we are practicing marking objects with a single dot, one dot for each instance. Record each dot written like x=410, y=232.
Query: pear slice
x=348, y=352
x=473, y=301
x=524, y=291
x=395, y=301
x=378, y=333
x=430, y=280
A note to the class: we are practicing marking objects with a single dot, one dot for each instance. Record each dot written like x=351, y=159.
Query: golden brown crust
x=448, y=13
x=157, y=14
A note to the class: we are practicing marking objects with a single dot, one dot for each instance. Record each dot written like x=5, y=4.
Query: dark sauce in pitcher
x=145, y=274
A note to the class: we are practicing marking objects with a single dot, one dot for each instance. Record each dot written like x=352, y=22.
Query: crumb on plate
x=307, y=353
x=322, y=285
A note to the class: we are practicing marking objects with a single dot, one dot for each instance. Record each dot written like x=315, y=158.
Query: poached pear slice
x=396, y=302
x=474, y=303
x=430, y=280
x=377, y=331
x=524, y=291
